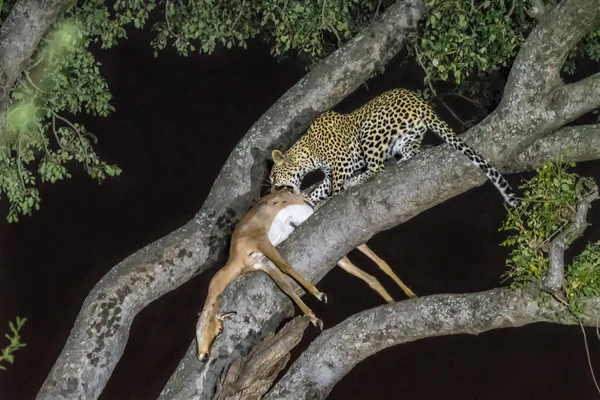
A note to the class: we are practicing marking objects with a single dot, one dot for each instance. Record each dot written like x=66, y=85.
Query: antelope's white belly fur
x=281, y=227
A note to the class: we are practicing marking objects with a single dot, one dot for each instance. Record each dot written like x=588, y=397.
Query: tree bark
x=337, y=350
x=352, y=218
x=514, y=135
x=101, y=329
x=20, y=34
x=251, y=376
x=553, y=281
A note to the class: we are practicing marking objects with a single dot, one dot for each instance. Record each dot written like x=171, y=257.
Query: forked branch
x=553, y=281
x=164, y=265
x=251, y=376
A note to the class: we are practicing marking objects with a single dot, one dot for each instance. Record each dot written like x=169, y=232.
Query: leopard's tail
x=442, y=129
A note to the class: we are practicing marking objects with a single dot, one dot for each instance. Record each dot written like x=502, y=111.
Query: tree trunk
x=100, y=333
x=535, y=104
x=20, y=34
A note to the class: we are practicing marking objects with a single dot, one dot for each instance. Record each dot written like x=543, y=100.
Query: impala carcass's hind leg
x=272, y=254
x=279, y=279
x=385, y=268
x=352, y=269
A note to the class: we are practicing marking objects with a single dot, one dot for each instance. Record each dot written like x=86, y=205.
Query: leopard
x=352, y=148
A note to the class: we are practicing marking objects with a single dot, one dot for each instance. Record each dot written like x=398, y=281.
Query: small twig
x=54, y=131
x=512, y=7
x=549, y=238
x=167, y=16
x=35, y=64
x=452, y=112
x=562, y=301
x=377, y=9
x=420, y=62
x=233, y=26
x=323, y=14
x=462, y=96
x=589, y=358
x=19, y=168
x=79, y=135
x=403, y=60
x=30, y=81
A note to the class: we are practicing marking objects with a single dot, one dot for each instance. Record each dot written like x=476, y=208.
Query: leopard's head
x=288, y=170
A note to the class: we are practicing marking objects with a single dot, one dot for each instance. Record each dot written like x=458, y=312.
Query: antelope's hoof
x=318, y=323
x=323, y=298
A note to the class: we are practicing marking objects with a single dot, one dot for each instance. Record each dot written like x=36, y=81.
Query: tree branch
x=337, y=350
x=573, y=143
x=251, y=376
x=20, y=34
x=98, y=338
x=400, y=193
x=100, y=333
x=536, y=70
x=353, y=217
x=553, y=281
x=575, y=99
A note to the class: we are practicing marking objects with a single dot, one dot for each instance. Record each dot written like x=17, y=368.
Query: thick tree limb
x=523, y=118
x=315, y=373
x=553, y=281
x=353, y=218
x=337, y=350
x=319, y=368
x=20, y=34
x=573, y=143
x=100, y=333
x=578, y=98
x=536, y=70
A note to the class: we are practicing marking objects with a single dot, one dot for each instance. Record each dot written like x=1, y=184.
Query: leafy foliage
x=461, y=37
x=472, y=39
x=463, y=42
x=62, y=77
x=583, y=278
x=548, y=206
x=309, y=28
x=15, y=342
x=38, y=141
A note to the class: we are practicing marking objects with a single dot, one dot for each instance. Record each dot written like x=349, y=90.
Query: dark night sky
x=177, y=119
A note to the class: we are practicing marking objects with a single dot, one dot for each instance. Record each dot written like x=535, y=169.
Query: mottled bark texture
x=520, y=133
x=251, y=376
x=20, y=34
x=337, y=350
x=329, y=234
x=100, y=332
x=553, y=281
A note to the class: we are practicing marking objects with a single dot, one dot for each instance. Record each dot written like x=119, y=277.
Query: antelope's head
x=208, y=327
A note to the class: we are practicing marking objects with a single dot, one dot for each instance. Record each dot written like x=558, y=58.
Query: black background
x=177, y=119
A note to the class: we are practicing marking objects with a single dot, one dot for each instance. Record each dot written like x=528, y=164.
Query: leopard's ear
x=277, y=157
